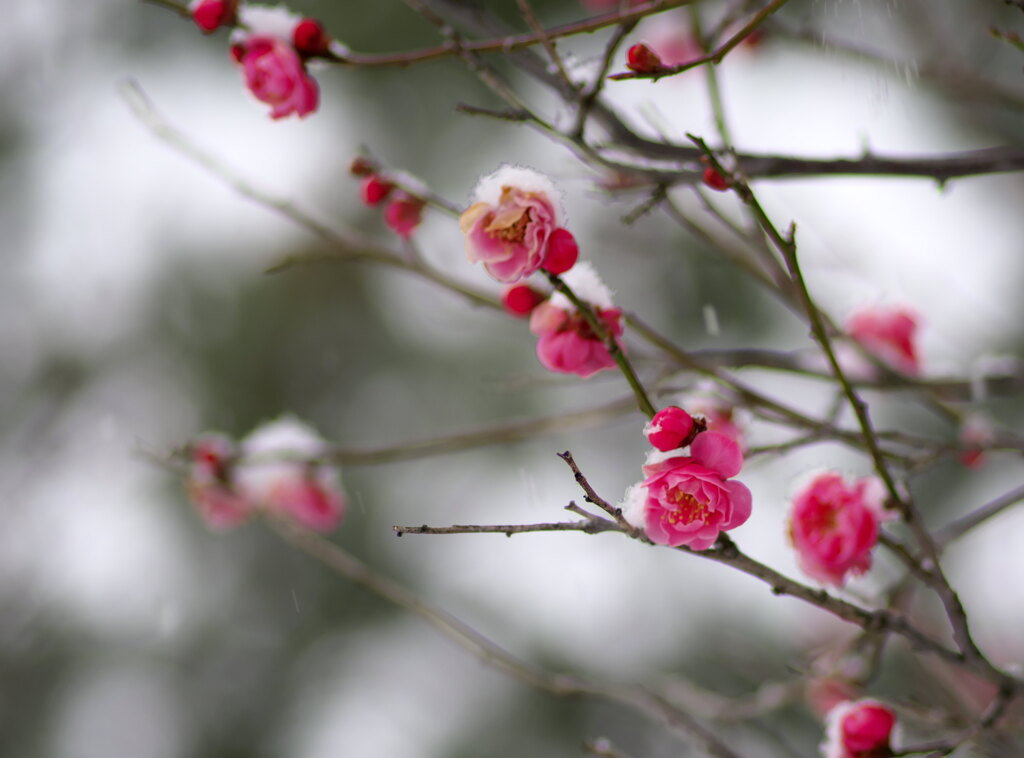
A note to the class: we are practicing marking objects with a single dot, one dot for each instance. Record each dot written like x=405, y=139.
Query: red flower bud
x=520, y=300
x=641, y=59
x=715, y=180
x=403, y=214
x=210, y=14
x=375, y=190
x=562, y=252
x=309, y=38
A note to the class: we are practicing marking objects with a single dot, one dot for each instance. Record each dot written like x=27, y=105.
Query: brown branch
x=717, y=55
x=963, y=525
x=561, y=685
x=595, y=525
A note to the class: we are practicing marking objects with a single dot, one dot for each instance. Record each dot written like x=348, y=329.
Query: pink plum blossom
x=889, y=334
x=834, y=525
x=277, y=475
x=689, y=499
x=567, y=343
x=859, y=729
x=669, y=429
x=275, y=75
x=718, y=415
x=209, y=483
x=403, y=214
x=509, y=225
x=274, y=70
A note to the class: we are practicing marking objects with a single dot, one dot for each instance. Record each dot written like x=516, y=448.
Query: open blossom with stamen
x=690, y=499
x=510, y=226
x=274, y=70
x=279, y=474
x=568, y=344
x=834, y=525
x=890, y=334
x=859, y=729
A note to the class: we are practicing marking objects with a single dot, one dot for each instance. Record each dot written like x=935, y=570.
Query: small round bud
x=309, y=38
x=715, y=180
x=237, y=53
x=520, y=300
x=562, y=252
x=670, y=428
x=208, y=15
x=361, y=166
x=643, y=60
x=375, y=190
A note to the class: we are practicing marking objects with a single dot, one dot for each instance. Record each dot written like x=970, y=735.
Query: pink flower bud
x=643, y=60
x=834, y=526
x=859, y=729
x=977, y=430
x=563, y=252
x=715, y=180
x=403, y=214
x=375, y=190
x=309, y=38
x=689, y=499
x=208, y=15
x=520, y=300
x=669, y=429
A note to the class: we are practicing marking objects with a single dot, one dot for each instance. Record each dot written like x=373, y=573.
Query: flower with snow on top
x=279, y=473
x=834, y=526
x=567, y=343
x=690, y=499
x=210, y=482
x=511, y=224
x=890, y=334
x=274, y=70
x=859, y=729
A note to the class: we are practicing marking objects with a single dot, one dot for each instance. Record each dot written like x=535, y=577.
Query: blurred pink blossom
x=889, y=334
x=834, y=525
x=275, y=75
x=688, y=500
x=403, y=213
x=280, y=474
x=209, y=483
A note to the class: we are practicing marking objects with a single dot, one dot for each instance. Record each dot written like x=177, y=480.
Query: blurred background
x=135, y=313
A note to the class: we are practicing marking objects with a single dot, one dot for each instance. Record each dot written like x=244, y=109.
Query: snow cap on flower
x=275, y=75
x=266, y=21
x=690, y=499
x=834, y=525
x=586, y=283
x=859, y=729
x=489, y=189
x=277, y=474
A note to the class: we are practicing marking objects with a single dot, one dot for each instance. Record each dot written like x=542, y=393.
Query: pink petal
x=717, y=452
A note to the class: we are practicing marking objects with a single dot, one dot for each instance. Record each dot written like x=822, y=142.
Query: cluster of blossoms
x=403, y=211
x=269, y=471
x=515, y=228
x=273, y=46
x=859, y=729
x=834, y=525
x=688, y=499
